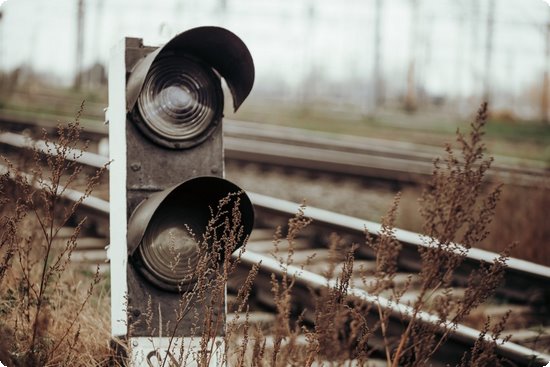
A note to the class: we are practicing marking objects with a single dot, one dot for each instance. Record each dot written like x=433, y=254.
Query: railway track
x=524, y=290
x=353, y=156
x=340, y=156
x=521, y=291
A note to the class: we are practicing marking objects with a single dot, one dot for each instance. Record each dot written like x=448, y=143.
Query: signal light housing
x=165, y=143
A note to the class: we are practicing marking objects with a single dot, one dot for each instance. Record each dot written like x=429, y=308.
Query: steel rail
x=322, y=160
x=523, y=280
x=336, y=142
x=91, y=126
x=359, y=226
x=91, y=203
x=24, y=142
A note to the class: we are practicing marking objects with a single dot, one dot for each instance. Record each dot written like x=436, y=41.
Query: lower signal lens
x=168, y=250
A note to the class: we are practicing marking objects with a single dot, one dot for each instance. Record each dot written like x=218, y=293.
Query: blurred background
x=401, y=70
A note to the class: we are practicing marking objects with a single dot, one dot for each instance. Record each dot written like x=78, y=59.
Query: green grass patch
x=535, y=132
x=520, y=139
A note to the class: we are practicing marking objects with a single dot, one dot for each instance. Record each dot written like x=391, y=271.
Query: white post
x=116, y=116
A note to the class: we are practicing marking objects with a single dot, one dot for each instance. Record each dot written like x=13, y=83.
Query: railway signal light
x=165, y=113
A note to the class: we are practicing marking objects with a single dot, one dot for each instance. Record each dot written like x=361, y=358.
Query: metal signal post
x=165, y=116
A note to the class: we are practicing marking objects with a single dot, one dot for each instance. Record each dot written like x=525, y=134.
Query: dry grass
x=522, y=217
x=45, y=319
x=50, y=318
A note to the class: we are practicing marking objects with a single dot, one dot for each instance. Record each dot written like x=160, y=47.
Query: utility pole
x=474, y=49
x=307, y=89
x=222, y=6
x=1, y=39
x=410, y=99
x=489, y=51
x=79, y=44
x=460, y=51
x=378, y=88
x=545, y=82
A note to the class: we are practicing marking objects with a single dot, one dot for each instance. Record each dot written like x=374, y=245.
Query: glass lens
x=168, y=249
x=179, y=99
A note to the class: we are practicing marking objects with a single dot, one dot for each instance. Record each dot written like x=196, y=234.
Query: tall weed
x=44, y=303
